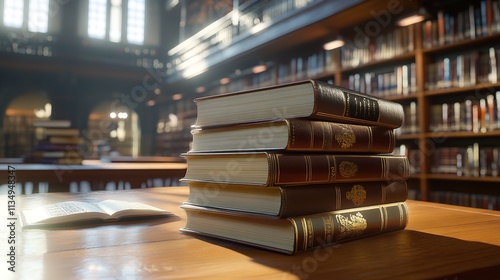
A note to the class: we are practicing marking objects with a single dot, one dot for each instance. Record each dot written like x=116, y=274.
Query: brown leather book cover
x=297, y=169
x=320, y=230
x=322, y=198
x=338, y=137
x=290, y=201
x=303, y=136
x=275, y=169
x=297, y=234
x=304, y=99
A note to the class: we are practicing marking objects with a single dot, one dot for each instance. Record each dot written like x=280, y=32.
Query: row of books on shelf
x=410, y=124
x=401, y=80
x=472, y=160
x=476, y=20
x=412, y=154
x=367, y=47
x=292, y=167
x=475, y=116
x=298, y=68
x=56, y=143
x=477, y=200
x=462, y=70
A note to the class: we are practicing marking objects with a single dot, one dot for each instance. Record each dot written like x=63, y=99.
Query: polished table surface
x=440, y=241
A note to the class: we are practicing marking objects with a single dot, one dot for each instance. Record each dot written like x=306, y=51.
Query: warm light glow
x=151, y=103
x=177, y=96
x=333, y=44
x=112, y=115
x=200, y=89
x=411, y=20
x=224, y=81
x=259, y=69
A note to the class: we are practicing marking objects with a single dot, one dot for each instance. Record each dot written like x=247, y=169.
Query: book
x=74, y=212
x=52, y=123
x=295, y=135
x=269, y=169
x=43, y=132
x=296, y=234
x=289, y=201
x=307, y=99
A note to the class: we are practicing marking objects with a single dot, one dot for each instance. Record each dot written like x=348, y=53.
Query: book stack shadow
x=56, y=143
x=294, y=167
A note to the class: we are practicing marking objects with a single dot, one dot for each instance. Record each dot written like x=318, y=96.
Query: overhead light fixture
x=177, y=96
x=224, y=81
x=412, y=18
x=259, y=68
x=337, y=43
x=200, y=89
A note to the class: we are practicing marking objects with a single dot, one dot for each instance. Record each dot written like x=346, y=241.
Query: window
x=135, y=24
x=13, y=13
x=105, y=20
x=37, y=15
x=97, y=19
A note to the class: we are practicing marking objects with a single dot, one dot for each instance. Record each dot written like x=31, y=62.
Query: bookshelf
x=421, y=56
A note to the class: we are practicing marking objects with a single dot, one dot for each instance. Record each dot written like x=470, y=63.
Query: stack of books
x=56, y=143
x=295, y=166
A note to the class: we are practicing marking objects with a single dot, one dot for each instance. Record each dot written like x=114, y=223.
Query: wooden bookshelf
x=421, y=140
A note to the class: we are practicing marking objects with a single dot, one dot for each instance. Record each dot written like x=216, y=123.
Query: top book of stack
x=309, y=99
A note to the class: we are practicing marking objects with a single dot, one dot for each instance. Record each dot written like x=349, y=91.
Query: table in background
x=94, y=174
x=440, y=241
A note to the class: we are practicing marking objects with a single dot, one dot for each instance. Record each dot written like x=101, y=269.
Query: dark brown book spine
x=287, y=169
x=325, y=229
x=304, y=200
x=335, y=103
x=329, y=136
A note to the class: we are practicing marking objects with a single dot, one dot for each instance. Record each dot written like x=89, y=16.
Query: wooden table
x=98, y=174
x=441, y=241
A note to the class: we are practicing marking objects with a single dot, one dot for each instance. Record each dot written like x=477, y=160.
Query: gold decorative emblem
x=345, y=137
x=357, y=195
x=348, y=169
x=351, y=226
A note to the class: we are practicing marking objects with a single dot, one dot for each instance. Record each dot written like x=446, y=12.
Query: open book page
x=118, y=209
x=63, y=212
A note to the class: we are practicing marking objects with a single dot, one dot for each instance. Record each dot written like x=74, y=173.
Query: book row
x=401, y=80
x=367, y=48
x=462, y=70
x=410, y=124
x=472, y=160
x=413, y=155
x=477, y=116
x=301, y=67
x=476, y=20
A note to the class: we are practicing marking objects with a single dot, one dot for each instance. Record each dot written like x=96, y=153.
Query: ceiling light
x=337, y=43
x=412, y=18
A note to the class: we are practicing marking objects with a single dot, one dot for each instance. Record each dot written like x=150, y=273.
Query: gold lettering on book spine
x=332, y=164
x=348, y=169
x=328, y=225
x=351, y=226
x=357, y=195
x=345, y=136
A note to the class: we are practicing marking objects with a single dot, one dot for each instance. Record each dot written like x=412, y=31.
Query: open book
x=70, y=212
